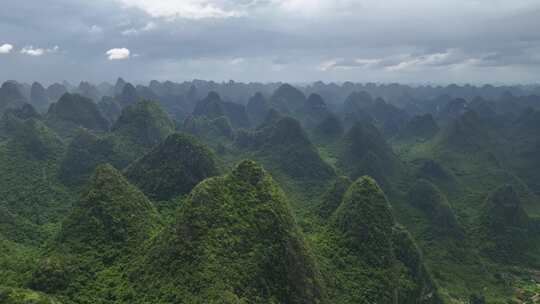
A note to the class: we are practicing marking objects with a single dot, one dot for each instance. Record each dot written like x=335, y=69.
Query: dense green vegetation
x=353, y=194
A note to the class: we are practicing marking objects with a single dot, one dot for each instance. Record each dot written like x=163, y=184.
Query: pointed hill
x=235, y=240
x=72, y=111
x=257, y=108
x=287, y=99
x=453, y=109
x=387, y=117
x=10, y=96
x=507, y=226
x=55, y=91
x=110, y=221
x=28, y=162
x=358, y=101
x=32, y=135
x=365, y=219
x=329, y=127
x=173, y=168
x=84, y=153
x=377, y=252
x=286, y=147
x=140, y=128
x=128, y=96
x=420, y=127
x=213, y=132
x=110, y=109
x=89, y=91
x=38, y=97
x=111, y=217
x=27, y=111
x=213, y=107
x=144, y=124
x=363, y=150
x=119, y=86
x=333, y=196
x=433, y=203
x=468, y=132
x=416, y=283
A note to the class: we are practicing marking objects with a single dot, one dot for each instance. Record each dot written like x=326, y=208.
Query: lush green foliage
x=173, y=168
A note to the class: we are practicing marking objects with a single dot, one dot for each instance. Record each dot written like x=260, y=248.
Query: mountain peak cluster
x=205, y=192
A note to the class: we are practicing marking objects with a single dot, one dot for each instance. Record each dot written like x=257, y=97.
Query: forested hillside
x=204, y=192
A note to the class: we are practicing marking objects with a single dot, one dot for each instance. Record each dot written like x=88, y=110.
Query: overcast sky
x=407, y=41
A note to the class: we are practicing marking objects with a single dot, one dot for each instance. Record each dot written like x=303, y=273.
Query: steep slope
x=366, y=257
x=507, y=225
x=83, y=154
x=363, y=151
x=10, y=96
x=108, y=223
x=333, y=196
x=173, y=168
x=212, y=107
x=234, y=241
x=72, y=111
x=429, y=199
x=286, y=147
x=55, y=91
x=28, y=162
x=257, y=108
x=128, y=96
x=38, y=97
x=287, y=99
x=111, y=216
x=142, y=126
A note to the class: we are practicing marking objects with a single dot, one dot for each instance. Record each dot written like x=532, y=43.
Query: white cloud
x=133, y=31
x=186, y=9
x=36, y=52
x=6, y=48
x=118, y=54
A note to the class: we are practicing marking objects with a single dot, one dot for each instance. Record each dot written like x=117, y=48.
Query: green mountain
x=363, y=151
x=420, y=127
x=507, y=225
x=38, y=97
x=366, y=257
x=10, y=96
x=430, y=200
x=287, y=99
x=110, y=216
x=110, y=220
x=83, y=154
x=212, y=107
x=173, y=168
x=284, y=145
x=234, y=241
x=72, y=111
x=257, y=108
x=333, y=196
x=144, y=124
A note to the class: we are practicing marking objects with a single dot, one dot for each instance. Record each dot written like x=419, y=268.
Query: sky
x=299, y=41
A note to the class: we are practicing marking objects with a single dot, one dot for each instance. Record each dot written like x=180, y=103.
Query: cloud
x=118, y=54
x=36, y=52
x=6, y=48
x=331, y=40
x=446, y=59
x=185, y=9
x=95, y=30
x=134, y=31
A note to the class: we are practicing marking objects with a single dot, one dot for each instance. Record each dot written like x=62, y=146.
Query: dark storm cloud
x=291, y=40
